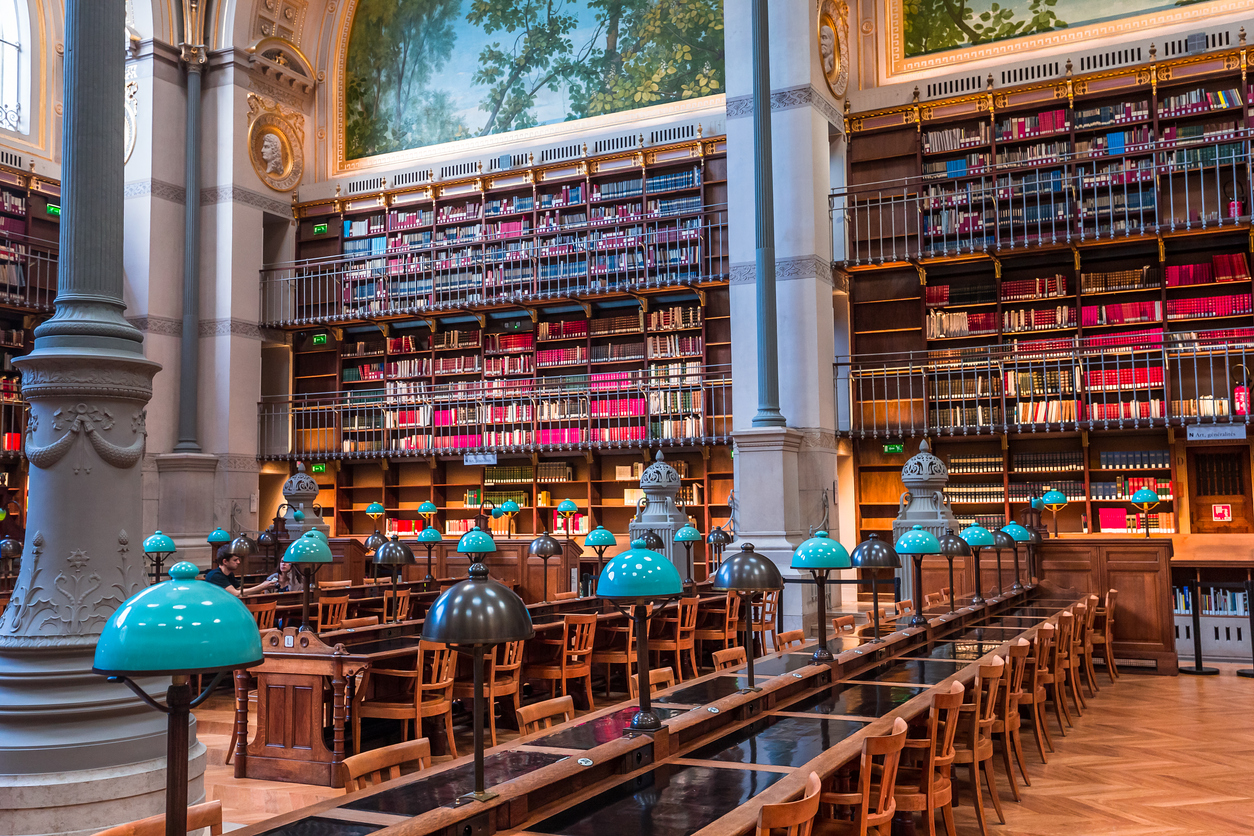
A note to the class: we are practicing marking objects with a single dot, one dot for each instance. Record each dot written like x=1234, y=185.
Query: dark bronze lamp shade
x=951, y=545
x=747, y=571
x=1002, y=540
x=874, y=553
x=477, y=612
x=374, y=542
x=652, y=541
x=394, y=553
x=545, y=546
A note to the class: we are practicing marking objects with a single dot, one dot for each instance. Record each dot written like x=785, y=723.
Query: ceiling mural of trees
x=940, y=25
x=421, y=72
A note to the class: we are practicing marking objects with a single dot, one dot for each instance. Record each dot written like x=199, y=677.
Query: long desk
x=720, y=755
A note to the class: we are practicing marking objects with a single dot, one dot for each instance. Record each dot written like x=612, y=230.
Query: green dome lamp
x=508, y=509
x=472, y=616
x=176, y=628
x=688, y=535
x=307, y=554
x=395, y=555
x=156, y=548
x=748, y=574
x=977, y=537
x=429, y=536
x=916, y=542
x=1145, y=500
x=567, y=509
x=476, y=542
x=216, y=540
x=1055, y=501
x=375, y=541
x=600, y=539
x=546, y=547
x=873, y=553
x=820, y=555
x=637, y=578
x=427, y=511
x=951, y=546
x=1020, y=535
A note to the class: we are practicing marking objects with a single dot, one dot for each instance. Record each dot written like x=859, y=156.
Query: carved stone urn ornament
x=659, y=513
x=923, y=503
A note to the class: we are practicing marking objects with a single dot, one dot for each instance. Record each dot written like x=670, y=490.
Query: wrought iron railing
x=28, y=272
x=12, y=421
x=614, y=255
x=644, y=408
x=1126, y=381
x=1152, y=188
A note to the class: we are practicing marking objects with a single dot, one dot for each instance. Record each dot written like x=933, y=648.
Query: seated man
x=224, y=575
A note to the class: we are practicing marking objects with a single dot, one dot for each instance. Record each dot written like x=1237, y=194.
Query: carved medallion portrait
x=833, y=33
x=276, y=138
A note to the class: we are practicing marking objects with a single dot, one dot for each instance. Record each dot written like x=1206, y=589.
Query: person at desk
x=224, y=575
x=283, y=580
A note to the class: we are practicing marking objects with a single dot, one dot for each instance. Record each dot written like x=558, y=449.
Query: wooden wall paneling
x=1142, y=574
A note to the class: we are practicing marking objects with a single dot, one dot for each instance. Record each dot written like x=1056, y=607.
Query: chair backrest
x=987, y=685
x=937, y=746
x=505, y=660
x=364, y=621
x=199, y=817
x=793, y=818
x=379, y=765
x=687, y=619
x=400, y=610
x=732, y=657
x=904, y=607
x=731, y=615
x=659, y=680
x=933, y=599
x=786, y=640
x=764, y=610
x=1081, y=618
x=334, y=584
x=879, y=809
x=543, y=715
x=263, y=612
x=947, y=592
x=1093, y=603
x=1111, y=596
x=1019, y=651
x=1062, y=641
x=1043, y=657
x=438, y=673
x=566, y=596
x=331, y=611
x=843, y=624
x=580, y=632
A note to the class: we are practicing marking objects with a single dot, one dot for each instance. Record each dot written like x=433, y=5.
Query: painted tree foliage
x=421, y=72
x=936, y=25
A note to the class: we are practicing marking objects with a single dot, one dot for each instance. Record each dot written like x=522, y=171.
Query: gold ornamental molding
x=276, y=143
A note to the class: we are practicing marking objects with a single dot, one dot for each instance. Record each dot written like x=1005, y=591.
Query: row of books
x=1038, y=382
x=946, y=417
x=942, y=295
x=509, y=343
x=687, y=427
x=954, y=139
x=1206, y=406
x=1198, y=101
x=562, y=330
x=1041, y=152
x=1230, y=267
x=1143, y=278
x=683, y=179
x=374, y=225
x=1112, y=380
x=975, y=463
x=521, y=474
x=942, y=324
x=1116, y=114
x=1119, y=521
x=1213, y=601
x=946, y=387
x=12, y=202
x=1027, y=491
x=1115, y=142
x=1017, y=289
x=615, y=189
x=567, y=195
x=1136, y=408
x=1210, y=306
x=455, y=338
x=508, y=364
x=689, y=401
x=675, y=317
x=1045, y=412
x=1207, y=132
x=574, y=356
x=462, y=364
x=1038, y=319
x=990, y=521
x=617, y=352
x=970, y=164
x=635, y=470
x=1054, y=462
x=1121, y=313
x=1134, y=459
x=509, y=205
x=619, y=408
x=1026, y=127
x=974, y=494
x=1124, y=487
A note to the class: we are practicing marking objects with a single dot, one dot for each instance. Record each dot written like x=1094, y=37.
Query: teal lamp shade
x=375, y=510
x=497, y=513
x=430, y=534
x=509, y=506
x=159, y=543
x=183, y=625
x=1018, y=532
x=1037, y=503
x=308, y=549
x=218, y=537
x=567, y=507
x=313, y=532
x=1054, y=500
x=1145, y=498
x=639, y=575
x=977, y=536
x=427, y=509
x=476, y=542
x=600, y=536
x=821, y=552
x=688, y=534
x=917, y=541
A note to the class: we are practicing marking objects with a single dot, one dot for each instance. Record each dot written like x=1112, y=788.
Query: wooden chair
x=843, y=624
x=199, y=817
x=1056, y=681
x=324, y=585
x=1102, y=635
x=1034, y=694
x=933, y=599
x=354, y=623
x=904, y=607
x=545, y=715
x=948, y=593
x=1075, y=661
x=785, y=640
x=763, y=618
x=379, y=765
x=619, y=648
x=427, y=692
x=793, y=818
x=263, y=612
x=868, y=628
x=974, y=747
x=1085, y=648
x=501, y=678
x=732, y=657
x=927, y=786
x=1066, y=653
x=679, y=636
x=1009, y=720
x=573, y=658
x=873, y=804
x=331, y=612
x=566, y=596
x=723, y=623
x=659, y=680
x=398, y=609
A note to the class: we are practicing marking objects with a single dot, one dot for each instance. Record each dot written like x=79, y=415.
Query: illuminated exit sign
x=318, y=468
x=319, y=339
x=54, y=210
x=320, y=229
x=894, y=448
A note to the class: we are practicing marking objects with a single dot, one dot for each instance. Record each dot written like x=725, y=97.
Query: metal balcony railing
x=28, y=273
x=1126, y=381
x=610, y=410
x=12, y=423
x=625, y=253
x=1068, y=198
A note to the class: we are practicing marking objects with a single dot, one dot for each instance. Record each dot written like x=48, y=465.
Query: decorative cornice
x=156, y=188
x=787, y=270
x=163, y=325
x=743, y=273
x=235, y=194
x=818, y=438
x=286, y=96
x=804, y=95
x=229, y=327
x=239, y=463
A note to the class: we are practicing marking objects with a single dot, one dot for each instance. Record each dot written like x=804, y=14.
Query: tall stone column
x=76, y=753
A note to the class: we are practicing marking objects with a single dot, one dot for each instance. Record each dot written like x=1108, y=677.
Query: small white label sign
x=479, y=458
x=1216, y=432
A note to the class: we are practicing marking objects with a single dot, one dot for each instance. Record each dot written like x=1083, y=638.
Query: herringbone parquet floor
x=1152, y=756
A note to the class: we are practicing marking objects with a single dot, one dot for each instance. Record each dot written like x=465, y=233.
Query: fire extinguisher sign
x=1221, y=513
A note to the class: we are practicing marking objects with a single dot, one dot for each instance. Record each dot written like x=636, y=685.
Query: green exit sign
x=894, y=448
x=320, y=229
x=319, y=339
x=318, y=468
x=54, y=210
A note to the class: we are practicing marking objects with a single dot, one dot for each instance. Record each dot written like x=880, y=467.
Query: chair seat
x=907, y=794
x=983, y=751
x=555, y=671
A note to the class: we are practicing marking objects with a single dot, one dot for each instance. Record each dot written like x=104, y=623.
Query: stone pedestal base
x=87, y=801
x=186, y=497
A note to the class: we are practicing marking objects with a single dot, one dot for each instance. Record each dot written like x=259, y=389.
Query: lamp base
x=749, y=689
x=643, y=722
x=917, y=620
x=472, y=797
x=822, y=654
x=1205, y=671
x=1248, y=673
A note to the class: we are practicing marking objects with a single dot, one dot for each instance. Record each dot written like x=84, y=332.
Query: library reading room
x=626, y=418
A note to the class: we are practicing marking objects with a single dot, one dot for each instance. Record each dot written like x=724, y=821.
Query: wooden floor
x=1152, y=755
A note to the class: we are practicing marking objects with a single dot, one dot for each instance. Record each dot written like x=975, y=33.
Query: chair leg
x=1005, y=757
x=974, y=769
x=230, y=749
x=947, y=813
x=588, y=690
x=992, y=789
x=356, y=734
x=692, y=657
x=1036, y=730
x=492, y=716
x=1073, y=684
x=1109, y=653
x=1017, y=740
x=448, y=731
x=1044, y=718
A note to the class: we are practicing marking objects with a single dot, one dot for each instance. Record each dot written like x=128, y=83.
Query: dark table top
x=958, y=651
x=1018, y=623
x=316, y=826
x=601, y=730
x=779, y=741
x=857, y=700
x=787, y=663
x=914, y=672
x=705, y=691
x=672, y=800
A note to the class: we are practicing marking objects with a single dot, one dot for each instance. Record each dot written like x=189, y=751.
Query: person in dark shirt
x=224, y=575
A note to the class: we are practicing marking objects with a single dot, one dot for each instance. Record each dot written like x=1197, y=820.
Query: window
x=14, y=65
